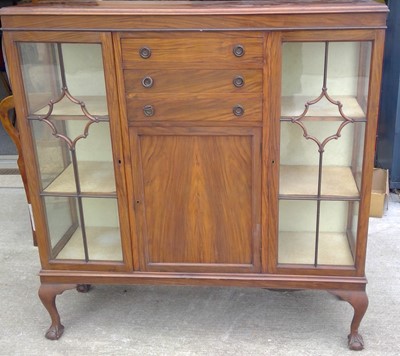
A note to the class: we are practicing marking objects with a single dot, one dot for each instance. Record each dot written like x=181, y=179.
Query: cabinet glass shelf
x=302, y=180
x=95, y=104
x=299, y=248
x=104, y=244
x=292, y=106
x=95, y=177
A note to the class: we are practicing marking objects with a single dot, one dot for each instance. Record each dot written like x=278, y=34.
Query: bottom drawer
x=195, y=108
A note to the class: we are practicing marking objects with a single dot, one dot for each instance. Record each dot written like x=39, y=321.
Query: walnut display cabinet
x=225, y=143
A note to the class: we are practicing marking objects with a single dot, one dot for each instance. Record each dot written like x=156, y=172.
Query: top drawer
x=177, y=50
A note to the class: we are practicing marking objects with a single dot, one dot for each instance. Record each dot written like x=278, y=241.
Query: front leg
x=359, y=301
x=47, y=294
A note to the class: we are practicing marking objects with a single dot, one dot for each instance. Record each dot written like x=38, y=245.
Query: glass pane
x=298, y=232
x=341, y=160
x=102, y=229
x=41, y=74
x=84, y=72
x=93, y=156
x=352, y=228
x=96, y=237
x=62, y=221
x=335, y=236
x=346, y=78
x=95, y=160
x=53, y=71
x=52, y=154
x=302, y=70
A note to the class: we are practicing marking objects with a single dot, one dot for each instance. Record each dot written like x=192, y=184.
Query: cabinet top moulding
x=192, y=15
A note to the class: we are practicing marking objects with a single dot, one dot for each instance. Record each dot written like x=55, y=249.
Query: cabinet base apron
x=352, y=290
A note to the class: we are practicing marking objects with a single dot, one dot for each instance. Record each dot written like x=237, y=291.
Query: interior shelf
x=95, y=177
x=95, y=105
x=299, y=248
x=294, y=106
x=303, y=180
x=104, y=244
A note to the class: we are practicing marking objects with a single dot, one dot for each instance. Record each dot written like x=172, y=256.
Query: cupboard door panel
x=200, y=208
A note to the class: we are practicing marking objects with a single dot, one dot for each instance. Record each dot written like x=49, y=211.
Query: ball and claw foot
x=48, y=294
x=54, y=332
x=356, y=342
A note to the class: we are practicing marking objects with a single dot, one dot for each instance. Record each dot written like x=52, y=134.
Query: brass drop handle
x=145, y=52
x=147, y=82
x=238, y=81
x=238, y=50
x=148, y=110
x=238, y=110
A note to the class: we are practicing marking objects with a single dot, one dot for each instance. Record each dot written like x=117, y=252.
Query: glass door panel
x=66, y=96
x=323, y=116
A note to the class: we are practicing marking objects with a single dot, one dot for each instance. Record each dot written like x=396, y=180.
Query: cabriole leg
x=359, y=301
x=47, y=294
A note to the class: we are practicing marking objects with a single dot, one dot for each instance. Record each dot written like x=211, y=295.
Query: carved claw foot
x=54, y=332
x=359, y=301
x=48, y=294
x=356, y=342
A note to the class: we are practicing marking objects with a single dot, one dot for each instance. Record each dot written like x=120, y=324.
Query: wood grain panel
x=194, y=23
x=198, y=7
x=195, y=107
x=369, y=150
x=271, y=156
x=203, y=50
x=117, y=147
x=199, y=194
x=192, y=81
x=333, y=35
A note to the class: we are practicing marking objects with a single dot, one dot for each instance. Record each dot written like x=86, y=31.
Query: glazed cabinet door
x=327, y=121
x=70, y=134
x=197, y=198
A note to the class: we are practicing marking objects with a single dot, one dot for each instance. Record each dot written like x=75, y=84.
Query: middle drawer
x=192, y=81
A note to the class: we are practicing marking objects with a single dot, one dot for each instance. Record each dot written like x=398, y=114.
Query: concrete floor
x=164, y=320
